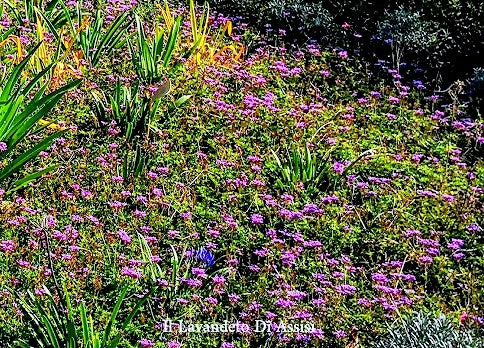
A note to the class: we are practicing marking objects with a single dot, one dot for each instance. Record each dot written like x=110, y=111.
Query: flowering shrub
x=210, y=231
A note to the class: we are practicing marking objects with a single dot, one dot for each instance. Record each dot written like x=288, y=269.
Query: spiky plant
x=20, y=113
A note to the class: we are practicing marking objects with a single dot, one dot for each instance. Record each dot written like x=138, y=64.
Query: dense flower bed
x=387, y=222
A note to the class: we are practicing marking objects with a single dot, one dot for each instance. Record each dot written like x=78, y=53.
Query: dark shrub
x=445, y=40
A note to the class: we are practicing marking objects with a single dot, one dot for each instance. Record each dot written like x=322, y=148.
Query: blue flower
x=205, y=256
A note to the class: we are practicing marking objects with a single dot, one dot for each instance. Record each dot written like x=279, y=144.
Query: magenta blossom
x=257, y=219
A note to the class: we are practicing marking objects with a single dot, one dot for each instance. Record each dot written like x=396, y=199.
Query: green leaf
x=182, y=100
x=172, y=39
x=85, y=326
x=7, y=91
x=109, y=39
x=114, y=313
x=35, y=111
x=29, y=178
x=17, y=163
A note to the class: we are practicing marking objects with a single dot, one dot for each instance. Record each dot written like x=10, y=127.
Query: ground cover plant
x=163, y=166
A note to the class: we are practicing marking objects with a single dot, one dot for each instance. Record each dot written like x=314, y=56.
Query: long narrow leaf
x=27, y=156
x=114, y=313
x=29, y=178
x=171, y=42
x=7, y=91
x=28, y=118
x=85, y=326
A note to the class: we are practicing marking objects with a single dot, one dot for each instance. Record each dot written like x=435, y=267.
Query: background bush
x=443, y=33
x=424, y=330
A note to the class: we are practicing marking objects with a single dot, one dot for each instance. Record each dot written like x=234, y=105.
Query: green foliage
x=152, y=57
x=423, y=330
x=19, y=117
x=445, y=39
x=303, y=167
x=177, y=261
x=134, y=162
x=308, y=169
x=31, y=8
x=148, y=56
x=56, y=327
x=476, y=84
x=132, y=109
x=134, y=112
x=47, y=8
x=95, y=41
x=407, y=31
x=458, y=25
x=310, y=15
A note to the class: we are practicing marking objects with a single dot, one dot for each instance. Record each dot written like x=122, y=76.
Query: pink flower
x=343, y=54
x=173, y=234
x=186, y=216
x=233, y=298
x=7, y=246
x=459, y=256
x=219, y=280
x=426, y=260
x=124, y=236
x=23, y=264
x=455, y=244
x=257, y=219
x=40, y=292
x=163, y=170
x=117, y=205
x=345, y=289
x=131, y=272
x=51, y=221
x=338, y=167
x=157, y=192
x=339, y=334
x=86, y=193
x=117, y=178
x=139, y=214
x=448, y=198
x=394, y=100
x=152, y=175
x=146, y=343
